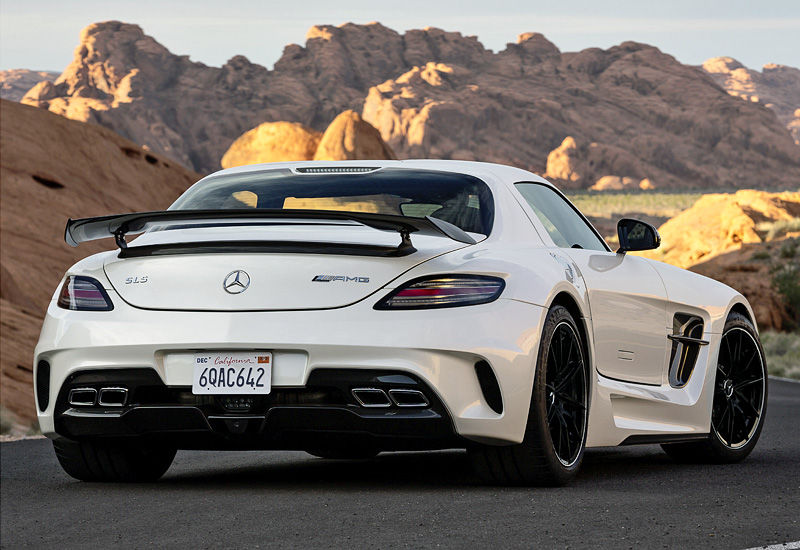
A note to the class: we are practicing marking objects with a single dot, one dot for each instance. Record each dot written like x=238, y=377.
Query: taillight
x=444, y=291
x=84, y=293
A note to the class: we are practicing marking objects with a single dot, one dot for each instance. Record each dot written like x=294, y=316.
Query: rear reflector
x=84, y=293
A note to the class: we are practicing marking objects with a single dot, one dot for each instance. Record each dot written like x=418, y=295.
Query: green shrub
x=786, y=282
x=761, y=255
x=783, y=353
x=789, y=249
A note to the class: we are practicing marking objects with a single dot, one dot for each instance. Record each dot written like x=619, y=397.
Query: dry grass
x=609, y=204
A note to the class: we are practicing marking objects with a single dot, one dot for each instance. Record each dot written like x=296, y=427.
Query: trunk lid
x=266, y=281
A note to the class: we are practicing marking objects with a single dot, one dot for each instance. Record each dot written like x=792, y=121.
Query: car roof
x=501, y=173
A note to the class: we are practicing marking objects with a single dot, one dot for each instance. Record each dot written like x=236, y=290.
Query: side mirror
x=636, y=235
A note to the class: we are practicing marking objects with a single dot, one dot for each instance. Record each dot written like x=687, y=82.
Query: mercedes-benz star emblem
x=236, y=282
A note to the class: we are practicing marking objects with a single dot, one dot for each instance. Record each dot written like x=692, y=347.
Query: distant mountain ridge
x=15, y=83
x=631, y=111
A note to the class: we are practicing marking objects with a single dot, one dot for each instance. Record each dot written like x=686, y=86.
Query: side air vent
x=687, y=338
x=337, y=170
x=489, y=386
x=43, y=384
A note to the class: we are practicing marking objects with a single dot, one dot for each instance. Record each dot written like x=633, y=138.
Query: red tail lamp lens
x=84, y=294
x=437, y=292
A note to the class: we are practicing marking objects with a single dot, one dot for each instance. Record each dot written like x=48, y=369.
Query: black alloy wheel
x=566, y=394
x=740, y=399
x=739, y=390
x=555, y=435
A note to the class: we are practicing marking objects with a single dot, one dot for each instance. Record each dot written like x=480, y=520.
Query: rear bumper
x=438, y=347
x=324, y=414
x=286, y=428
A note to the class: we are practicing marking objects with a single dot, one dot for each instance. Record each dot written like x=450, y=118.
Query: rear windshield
x=464, y=201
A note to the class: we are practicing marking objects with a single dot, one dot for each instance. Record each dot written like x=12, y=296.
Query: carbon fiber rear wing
x=119, y=225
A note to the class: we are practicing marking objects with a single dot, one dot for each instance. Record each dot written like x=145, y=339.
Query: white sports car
x=350, y=308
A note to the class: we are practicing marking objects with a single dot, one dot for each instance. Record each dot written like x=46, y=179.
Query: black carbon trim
x=658, y=438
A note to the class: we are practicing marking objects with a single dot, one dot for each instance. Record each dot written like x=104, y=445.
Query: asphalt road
x=633, y=497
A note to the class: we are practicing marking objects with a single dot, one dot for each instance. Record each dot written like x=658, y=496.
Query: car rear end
x=301, y=333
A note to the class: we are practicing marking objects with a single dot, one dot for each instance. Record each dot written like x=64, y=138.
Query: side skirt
x=658, y=438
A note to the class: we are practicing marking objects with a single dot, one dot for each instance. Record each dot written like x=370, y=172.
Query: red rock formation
x=52, y=168
x=347, y=138
x=350, y=138
x=747, y=269
x=273, y=142
x=720, y=223
x=632, y=110
x=776, y=87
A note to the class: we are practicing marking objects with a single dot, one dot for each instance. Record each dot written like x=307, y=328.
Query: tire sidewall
x=725, y=453
x=537, y=418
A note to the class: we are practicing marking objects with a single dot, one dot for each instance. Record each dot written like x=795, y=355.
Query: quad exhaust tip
x=112, y=397
x=408, y=398
x=371, y=397
x=105, y=397
x=83, y=397
x=377, y=397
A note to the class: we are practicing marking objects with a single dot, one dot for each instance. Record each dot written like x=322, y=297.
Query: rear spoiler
x=119, y=225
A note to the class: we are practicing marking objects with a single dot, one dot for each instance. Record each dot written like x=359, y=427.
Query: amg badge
x=343, y=278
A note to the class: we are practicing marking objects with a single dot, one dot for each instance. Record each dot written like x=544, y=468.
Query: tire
x=740, y=399
x=555, y=434
x=357, y=453
x=88, y=461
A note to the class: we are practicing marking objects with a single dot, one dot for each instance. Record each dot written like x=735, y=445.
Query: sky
x=42, y=34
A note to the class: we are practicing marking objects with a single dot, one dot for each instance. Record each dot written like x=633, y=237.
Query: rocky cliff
x=51, y=169
x=777, y=87
x=348, y=137
x=734, y=238
x=631, y=111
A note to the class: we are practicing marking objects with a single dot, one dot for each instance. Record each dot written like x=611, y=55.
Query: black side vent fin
x=687, y=339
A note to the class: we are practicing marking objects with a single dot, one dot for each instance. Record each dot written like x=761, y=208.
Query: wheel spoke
x=750, y=362
x=551, y=414
x=723, y=417
x=746, y=383
x=730, y=354
x=745, y=403
x=568, y=399
x=569, y=374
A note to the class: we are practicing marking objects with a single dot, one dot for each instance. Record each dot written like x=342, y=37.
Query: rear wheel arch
x=568, y=301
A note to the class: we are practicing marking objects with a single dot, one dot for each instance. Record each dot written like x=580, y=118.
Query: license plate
x=232, y=372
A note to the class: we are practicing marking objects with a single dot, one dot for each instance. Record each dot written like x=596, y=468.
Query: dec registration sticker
x=232, y=372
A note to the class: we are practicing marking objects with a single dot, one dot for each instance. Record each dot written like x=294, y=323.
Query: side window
x=565, y=226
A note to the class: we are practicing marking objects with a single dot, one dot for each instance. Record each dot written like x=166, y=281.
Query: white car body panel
x=627, y=299
x=625, y=304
